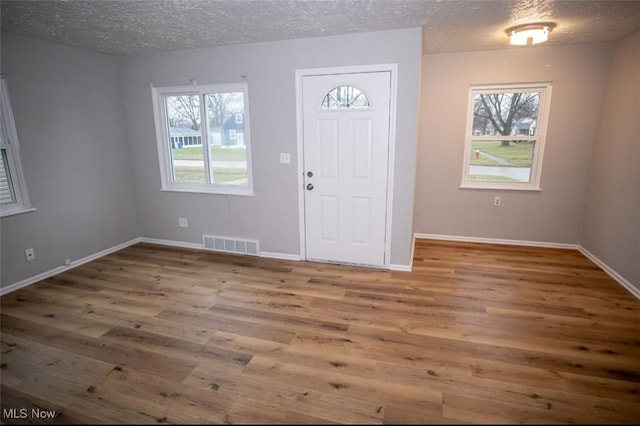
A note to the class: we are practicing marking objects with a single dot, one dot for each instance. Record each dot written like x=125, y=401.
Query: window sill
x=502, y=187
x=246, y=193
x=14, y=211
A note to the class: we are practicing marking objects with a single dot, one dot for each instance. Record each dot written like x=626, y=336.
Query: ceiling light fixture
x=528, y=34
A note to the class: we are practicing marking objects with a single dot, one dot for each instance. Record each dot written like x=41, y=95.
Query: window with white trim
x=505, y=135
x=203, y=138
x=14, y=197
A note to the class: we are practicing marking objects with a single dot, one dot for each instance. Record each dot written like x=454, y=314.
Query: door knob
x=309, y=186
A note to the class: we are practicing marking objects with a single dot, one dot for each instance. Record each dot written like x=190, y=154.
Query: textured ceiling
x=122, y=27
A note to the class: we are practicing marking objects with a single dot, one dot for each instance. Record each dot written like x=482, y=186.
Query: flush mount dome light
x=528, y=34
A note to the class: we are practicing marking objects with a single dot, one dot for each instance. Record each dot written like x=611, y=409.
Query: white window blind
x=7, y=195
x=13, y=189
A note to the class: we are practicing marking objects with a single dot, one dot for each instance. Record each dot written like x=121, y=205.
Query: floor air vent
x=230, y=245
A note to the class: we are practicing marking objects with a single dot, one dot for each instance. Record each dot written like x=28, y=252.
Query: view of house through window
x=206, y=134
x=505, y=136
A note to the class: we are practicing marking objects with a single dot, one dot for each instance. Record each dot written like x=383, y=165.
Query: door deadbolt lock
x=309, y=186
x=310, y=174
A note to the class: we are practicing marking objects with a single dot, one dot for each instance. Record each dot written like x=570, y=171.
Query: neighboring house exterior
x=489, y=130
x=525, y=126
x=233, y=130
x=184, y=136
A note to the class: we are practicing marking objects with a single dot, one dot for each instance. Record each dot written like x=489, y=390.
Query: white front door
x=346, y=156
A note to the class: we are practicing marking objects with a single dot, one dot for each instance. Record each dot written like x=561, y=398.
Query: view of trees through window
x=503, y=136
x=221, y=142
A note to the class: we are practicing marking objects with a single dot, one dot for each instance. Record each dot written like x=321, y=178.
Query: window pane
x=7, y=196
x=501, y=161
x=227, y=138
x=505, y=114
x=345, y=97
x=505, y=136
x=185, y=138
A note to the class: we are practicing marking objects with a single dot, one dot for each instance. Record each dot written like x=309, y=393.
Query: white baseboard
x=280, y=256
x=59, y=269
x=496, y=241
x=172, y=243
x=406, y=268
x=198, y=246
x=409, y=267
x=616, y=276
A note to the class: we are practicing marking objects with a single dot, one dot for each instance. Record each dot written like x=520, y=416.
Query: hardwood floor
x=477, y=333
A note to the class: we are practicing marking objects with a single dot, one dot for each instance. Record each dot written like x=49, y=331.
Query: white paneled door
x=346, y=156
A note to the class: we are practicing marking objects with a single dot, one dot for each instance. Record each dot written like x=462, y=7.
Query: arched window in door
x=343, y=97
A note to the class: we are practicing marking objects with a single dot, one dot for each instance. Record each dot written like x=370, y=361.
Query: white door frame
x=392, y=68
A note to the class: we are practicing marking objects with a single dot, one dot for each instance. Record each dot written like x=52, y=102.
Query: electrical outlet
x=182, y=222
x=285, y=158
x=30, y=254
x=497, y=201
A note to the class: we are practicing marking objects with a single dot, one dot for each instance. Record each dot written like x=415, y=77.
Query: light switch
x=285, y=158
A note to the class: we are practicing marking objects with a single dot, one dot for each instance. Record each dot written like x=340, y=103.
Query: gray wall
x=272, y=215
x=612, y=226
x=69, y=116
x=555, y=214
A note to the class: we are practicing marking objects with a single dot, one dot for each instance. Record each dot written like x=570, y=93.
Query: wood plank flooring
x=477, y=333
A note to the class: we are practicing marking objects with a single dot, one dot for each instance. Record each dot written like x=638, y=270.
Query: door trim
x=300, y=74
